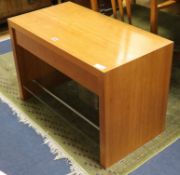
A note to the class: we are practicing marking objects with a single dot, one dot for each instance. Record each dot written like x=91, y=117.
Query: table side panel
x=59, y=62
x=133, y=104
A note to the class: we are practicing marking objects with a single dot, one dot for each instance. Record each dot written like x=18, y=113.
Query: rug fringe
x=55, y=149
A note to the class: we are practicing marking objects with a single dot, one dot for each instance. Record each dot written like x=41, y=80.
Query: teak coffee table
x=126, y=67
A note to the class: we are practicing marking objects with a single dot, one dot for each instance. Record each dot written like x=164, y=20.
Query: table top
x=90, y=37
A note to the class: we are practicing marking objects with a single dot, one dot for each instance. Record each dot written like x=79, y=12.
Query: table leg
x=18, y=57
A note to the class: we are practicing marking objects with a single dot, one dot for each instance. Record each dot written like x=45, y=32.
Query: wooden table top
x=98, y=40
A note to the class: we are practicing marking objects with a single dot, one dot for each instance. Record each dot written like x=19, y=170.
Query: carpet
x=5, y=47
x=165, y=163
x=22, y=151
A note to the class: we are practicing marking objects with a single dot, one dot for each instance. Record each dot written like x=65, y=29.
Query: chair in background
x=155, y=6
x=121, y=9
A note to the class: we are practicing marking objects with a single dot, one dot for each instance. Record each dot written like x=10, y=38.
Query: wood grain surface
x=88, y=36
x=128, y=68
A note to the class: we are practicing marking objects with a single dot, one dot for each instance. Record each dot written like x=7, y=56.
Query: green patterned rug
x=66, y=139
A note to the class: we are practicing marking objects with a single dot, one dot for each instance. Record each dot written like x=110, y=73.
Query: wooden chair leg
x=153, y=16
x=120, y=3
x=113, y=3
x=94, y=5
x=128, y=9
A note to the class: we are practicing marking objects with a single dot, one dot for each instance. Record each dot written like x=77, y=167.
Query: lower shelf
x=72, y=102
